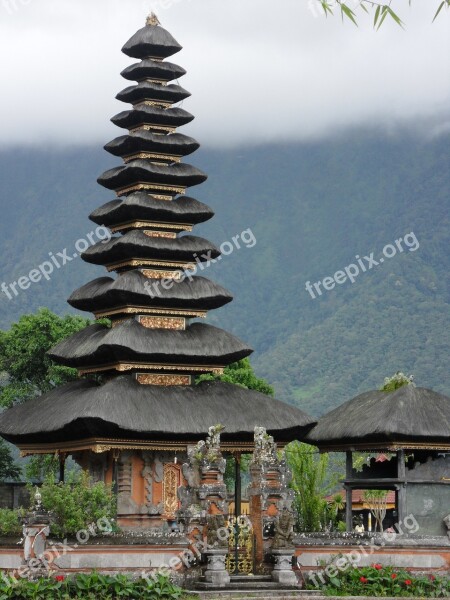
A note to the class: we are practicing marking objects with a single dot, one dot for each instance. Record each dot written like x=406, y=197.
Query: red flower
x=432, y=577
x=378, y=567
x=60, y=578
x=363, y=579
x=408, y=582
x=394, y=576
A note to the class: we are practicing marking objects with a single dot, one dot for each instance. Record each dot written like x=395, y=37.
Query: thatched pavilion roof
x=124, y=409
x=409, y=417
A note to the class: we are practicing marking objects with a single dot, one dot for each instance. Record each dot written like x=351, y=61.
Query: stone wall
x=13, y=495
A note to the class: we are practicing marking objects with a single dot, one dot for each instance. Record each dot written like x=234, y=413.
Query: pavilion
x=413, y=425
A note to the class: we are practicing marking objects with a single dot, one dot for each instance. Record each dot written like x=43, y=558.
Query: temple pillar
x=348, y=491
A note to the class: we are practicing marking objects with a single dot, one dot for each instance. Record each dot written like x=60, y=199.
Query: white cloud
x=258, y=70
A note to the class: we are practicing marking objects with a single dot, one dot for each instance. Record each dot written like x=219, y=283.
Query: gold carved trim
x=151, y=224
x=100, y=445
x=148, y=379
x=151, y=311
x=124, y=367
x=148, y=127
x=138, y=262
x=385, y=446
x=171, y=483
x=152, y=155
x=158, y=103
x=151, y=186
x=161, y=234
x=156, y=274
x=174, y=323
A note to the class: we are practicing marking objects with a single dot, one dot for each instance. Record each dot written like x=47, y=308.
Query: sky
x=258, y=71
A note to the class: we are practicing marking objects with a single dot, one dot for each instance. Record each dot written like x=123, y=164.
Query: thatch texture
x=122, y=408
x=132, y=289
x=147, y=90
x=140, y=206
x=147, y=141
x=153, y=69
x=180, y=174
x=152, y=115
x=136, y=244
x=130, y=341
x=407, y=415
x=151, y=41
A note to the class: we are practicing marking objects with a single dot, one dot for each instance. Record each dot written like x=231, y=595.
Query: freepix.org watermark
x=56, y=261
x=408, y=242
x=204, y=261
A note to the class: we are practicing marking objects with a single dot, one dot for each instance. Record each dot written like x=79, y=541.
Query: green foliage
x=377, y=581
x=309, y=482
x=77, y=503
x=8, y=468
x=42, y=467
x=396, y=381
x=10, y=522
x=93, y=586
x=23, y=355
x=381, y=10
x=241, y=373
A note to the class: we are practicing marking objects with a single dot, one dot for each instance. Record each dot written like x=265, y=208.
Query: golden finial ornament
x=152, y=19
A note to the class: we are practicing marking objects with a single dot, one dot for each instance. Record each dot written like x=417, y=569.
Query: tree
x=377, y=501
x=27, y=370
x=8, y=468
x=380, y=10
x=309, y=482
x=241, y=373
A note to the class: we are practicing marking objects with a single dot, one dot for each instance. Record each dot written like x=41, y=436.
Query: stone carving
x=265, y=448
x=284, y=530
x=447, y=524
x=98, y=467
x=125, y=503
x=36, y=529
x=217, y=535
x=147, y=473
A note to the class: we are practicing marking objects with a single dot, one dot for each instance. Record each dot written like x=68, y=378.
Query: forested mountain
x=312, y=208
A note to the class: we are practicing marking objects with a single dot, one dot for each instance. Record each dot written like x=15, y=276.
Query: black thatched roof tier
x=136, y=244
x=140, y=170
x=198, y=344
x=152, y=115
x=407, y=416
x=132, y=289
x=175, y=144
x=124, y=409
x=153, y=69
x=147, y=90
x=143, y=207
x=152, y=41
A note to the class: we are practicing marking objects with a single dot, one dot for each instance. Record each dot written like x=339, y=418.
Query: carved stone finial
x=152, y=19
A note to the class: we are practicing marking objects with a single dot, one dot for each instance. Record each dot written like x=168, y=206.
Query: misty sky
x=258, y=70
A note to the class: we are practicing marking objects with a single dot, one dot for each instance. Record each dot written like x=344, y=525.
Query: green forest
x=313, y=207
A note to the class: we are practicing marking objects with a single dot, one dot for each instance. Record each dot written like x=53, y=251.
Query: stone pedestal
x=216, y=572
x=283, y=572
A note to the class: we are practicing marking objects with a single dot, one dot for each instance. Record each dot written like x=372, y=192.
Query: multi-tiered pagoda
x=136, y=409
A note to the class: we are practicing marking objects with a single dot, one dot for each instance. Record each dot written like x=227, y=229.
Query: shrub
x=92, y=586
x=10, y=522
x=77, y=504
x=378, y=580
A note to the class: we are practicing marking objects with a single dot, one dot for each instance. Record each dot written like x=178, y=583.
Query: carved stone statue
x=216, y=532
x=284, y=530
x=265, y=447
x=447, y=524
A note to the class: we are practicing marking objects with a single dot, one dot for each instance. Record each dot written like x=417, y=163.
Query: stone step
x=257, y=594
